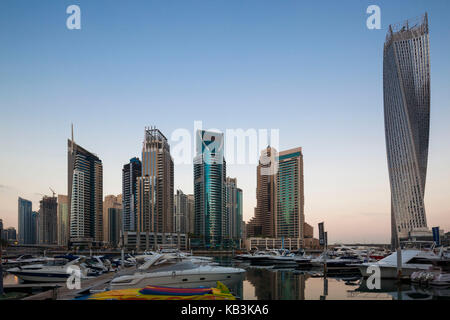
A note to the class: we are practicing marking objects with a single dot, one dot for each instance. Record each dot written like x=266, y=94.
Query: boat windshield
x=174, y=266
x=56, y=262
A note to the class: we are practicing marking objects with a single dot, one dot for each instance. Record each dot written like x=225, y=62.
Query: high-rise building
x=181, y=211
x=155, y=203
x=209, y=188
x=266, y=193
x=27, y=234
x=233, y=211
x=279, y=213
x=130, y=173
x=48, y=220
x=111, y=202
x=85, y=192
x=10, y=234
x=290, y=202
x=35, y=227
x=191, y=214
x=1, y=229
x=63, y=220
x=406, y=88
x=114, y=226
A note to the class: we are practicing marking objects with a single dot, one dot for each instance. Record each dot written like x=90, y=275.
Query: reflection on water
x=266, y=283
x=10, y=279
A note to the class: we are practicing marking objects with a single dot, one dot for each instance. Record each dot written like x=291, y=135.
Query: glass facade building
x=233, y=212
x=289, y=216
x=114, y=226
x=85, y=192
x=27, y=229
x=406, y=87
x=209, y=189
x=130, y=172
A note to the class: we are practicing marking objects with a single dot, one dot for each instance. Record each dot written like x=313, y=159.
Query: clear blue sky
x=310, y=69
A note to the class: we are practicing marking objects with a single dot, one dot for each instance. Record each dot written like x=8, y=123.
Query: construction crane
x=52, y=191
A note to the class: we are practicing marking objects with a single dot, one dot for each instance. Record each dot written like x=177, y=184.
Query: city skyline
x=342, y=135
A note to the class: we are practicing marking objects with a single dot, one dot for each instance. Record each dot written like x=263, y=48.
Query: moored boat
x=166, y=271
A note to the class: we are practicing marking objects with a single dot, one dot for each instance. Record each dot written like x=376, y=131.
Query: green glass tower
x=209, y=189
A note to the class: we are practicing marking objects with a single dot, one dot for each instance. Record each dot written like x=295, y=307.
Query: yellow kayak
x=221, y=292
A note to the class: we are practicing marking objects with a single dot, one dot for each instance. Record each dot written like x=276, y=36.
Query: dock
x=59, y=291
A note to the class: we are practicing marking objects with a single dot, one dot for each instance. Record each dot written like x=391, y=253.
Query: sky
x=312, y=70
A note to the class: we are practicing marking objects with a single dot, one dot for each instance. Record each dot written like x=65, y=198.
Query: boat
x=24, y=260
x=302, y=260
x=54, y=270
x=272, y=257
x=411, y=261
x=431, y=277
x=164, y=270
x=257, y=255
x=220, y=292
x=97, y=265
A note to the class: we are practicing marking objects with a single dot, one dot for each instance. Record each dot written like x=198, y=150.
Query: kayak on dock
x=221, y=292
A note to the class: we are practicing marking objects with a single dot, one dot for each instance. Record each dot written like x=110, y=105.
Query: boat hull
x=389, y=272
x=41, y=277
x=181, y=280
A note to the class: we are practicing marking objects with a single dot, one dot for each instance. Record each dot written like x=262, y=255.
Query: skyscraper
x=114, y=226
x=181, y=211
x=63, y=220
x=290, y=202
x=85, y=192
x=115, y=203
x=155, y=186
x=27, y=234
x=191, y=214
x=279, y=212
x=35, y=227
x=48, y=220
x=406, y=87
x=266, y=193
x=233, y=210
x=131, y=171
x=209, y=188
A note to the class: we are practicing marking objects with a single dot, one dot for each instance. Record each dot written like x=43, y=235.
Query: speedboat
x=347, y=263
x=281, y=258
x=97, y=265
x=302, y=260
x=162, y=270
x=271, y=257
x=432, y=277
x=54, y=270
x=412, y=261
x=24, y=260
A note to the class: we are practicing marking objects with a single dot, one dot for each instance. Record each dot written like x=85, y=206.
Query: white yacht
x=54, y=270
x=412, y=261
x=268, y=257
x=164, y=270
x=24, y=260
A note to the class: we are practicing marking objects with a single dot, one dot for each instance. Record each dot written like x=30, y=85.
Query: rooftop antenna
x=71, y=142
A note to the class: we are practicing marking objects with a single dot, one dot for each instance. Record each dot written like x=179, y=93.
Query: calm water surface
x=262, y=283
